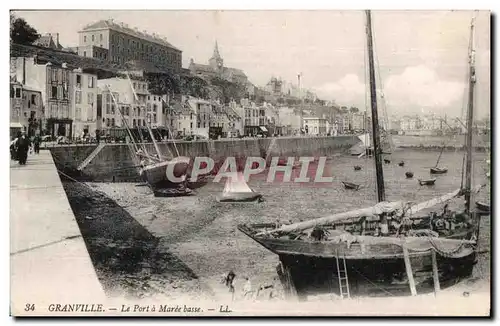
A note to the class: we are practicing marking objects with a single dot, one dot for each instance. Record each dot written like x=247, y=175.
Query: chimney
x=57, y=39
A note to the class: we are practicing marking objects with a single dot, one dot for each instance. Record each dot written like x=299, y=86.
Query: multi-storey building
x=25, y=109
x=203, y=112
x=128, y=96
x=56, y=90
x=126, y=44
x=84, y=103
x=315, y=125
x=251, y=118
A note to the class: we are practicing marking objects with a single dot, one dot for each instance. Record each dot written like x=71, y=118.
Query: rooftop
x=124, y=28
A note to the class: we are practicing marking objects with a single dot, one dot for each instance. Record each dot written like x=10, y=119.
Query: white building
x=315, y=126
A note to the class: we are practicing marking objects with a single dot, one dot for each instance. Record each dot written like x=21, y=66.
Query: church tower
x=216, y=61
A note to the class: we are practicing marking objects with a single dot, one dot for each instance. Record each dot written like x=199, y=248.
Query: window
x=144, y=123
x=78, y=113
x=149, y=98
x=90, y=98
x=100, y=37
x=90, y=113
x=133, y=123
x=53, y=110
x=18, y=93
x=107, y=122
x=54, y=92
x=91, y=81
x=78, y=80
x=65, y=110
x=92, y=38
x=112, y=122
x=135, y=86
x=113, y=108
x=78, y=97
x=54, y=75
x=12, y=92
x=84, y=39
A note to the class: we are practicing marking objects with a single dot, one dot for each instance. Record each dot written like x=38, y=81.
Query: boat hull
x=240, y=197
x=156, y=174
x=438, y=170
x=373, y=269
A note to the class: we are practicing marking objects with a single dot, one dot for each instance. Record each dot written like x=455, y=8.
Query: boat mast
x=148, y=126
x=375, y=124
x=470, y=117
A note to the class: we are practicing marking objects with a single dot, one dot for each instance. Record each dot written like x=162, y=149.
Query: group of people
x=21, y=145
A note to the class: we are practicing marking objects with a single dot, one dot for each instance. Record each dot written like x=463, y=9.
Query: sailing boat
x=237, y=190
x=372, y=249
x=154, y=167
x=436, y=169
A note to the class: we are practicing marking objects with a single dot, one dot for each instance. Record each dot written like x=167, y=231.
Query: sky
x=421, y=55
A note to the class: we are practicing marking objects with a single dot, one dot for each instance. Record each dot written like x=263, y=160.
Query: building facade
x=315, y=126
x=84, y=103
x=26, y=109
x=56, y=91
x=126, y=44
x=118, y=94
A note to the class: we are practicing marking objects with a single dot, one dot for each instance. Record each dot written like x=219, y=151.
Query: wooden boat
x=172, y=192
x=390, y=247
x=483, y=206
x=357, y=168
x=427, y=182
x=350, y=185
x=409, y=174
x=436, y=170
x=157, y=172
x=401, y=163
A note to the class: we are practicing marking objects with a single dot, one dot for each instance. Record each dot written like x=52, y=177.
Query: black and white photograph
x=215, y=163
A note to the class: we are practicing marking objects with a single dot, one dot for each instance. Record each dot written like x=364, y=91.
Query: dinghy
x=350, y=185
x=409, y=174
x=172, y=192
x=237, y=190
x=436, y=170
x=483, y=206
x=357, y=168
x=401, y=163
x=426, y=182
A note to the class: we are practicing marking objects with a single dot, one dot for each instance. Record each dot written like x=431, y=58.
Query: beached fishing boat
x=153, y=167
x=390, y=248
x=409, y=174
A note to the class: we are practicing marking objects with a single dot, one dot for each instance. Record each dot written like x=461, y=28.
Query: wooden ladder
x=343, y=278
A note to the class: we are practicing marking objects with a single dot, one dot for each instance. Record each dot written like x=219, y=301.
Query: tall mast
x=470, y=117
x=375, y=124
x=148, y=115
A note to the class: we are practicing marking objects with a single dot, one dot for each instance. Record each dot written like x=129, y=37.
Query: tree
x=21, y=32
x=354, y=109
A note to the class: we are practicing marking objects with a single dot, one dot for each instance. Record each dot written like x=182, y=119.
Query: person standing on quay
x=23, y=146
x=36, y=144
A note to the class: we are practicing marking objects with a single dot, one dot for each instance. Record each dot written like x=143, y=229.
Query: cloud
x=419, y=87
x=348, y=90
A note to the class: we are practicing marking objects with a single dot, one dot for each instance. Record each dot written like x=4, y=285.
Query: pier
x=48, y=258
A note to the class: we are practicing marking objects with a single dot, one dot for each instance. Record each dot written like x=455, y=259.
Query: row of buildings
x=71, y=103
